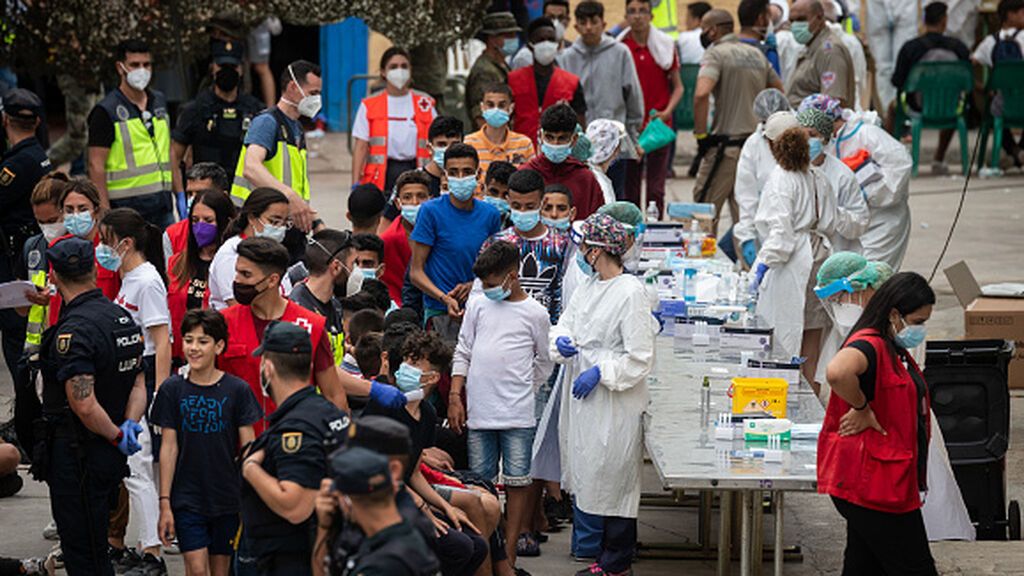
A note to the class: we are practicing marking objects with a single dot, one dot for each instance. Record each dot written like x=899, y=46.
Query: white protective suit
x=755, y=164
x=890, y=25
x=601, y=436
x=852, y=214
x=787, y=216
x=962, y=19
x=789, y=53
x=889, y=230
x=860, y=62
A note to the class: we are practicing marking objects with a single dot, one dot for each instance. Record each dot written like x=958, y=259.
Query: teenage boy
x=446, y=240
x=500, y=358
x=204, y=417
x=329, y=260
x=496, y=187
x=556, y=164
x=494, y=141
x=412, y=189
x=369, y=255
x=365, y=208
x=557, y=209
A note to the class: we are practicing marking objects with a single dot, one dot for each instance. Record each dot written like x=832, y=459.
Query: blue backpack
x=1007, y=49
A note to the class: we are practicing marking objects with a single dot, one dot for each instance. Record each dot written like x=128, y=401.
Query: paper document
x=12, y=294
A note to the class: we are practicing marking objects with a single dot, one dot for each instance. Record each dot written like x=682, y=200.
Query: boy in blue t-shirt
x=204, y=418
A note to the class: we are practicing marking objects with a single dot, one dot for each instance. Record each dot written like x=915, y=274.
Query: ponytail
x=127, y=223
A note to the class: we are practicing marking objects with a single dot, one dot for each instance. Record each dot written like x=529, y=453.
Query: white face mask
x=355, y=282
x=846, y=315
x=310, y=104
x=53, y=231
x=137, y=78
x=398, y=77
x=544, y=52
x=559, y=30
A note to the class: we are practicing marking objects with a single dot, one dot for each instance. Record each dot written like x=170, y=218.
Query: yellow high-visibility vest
x=287, y=165
x=139, y=162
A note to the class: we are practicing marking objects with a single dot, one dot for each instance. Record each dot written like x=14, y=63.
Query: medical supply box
x=759, y=396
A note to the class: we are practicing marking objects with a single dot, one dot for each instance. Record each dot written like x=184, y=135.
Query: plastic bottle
x=690, y=284
x=653, y=214
x=705, y=396
x=694, y=240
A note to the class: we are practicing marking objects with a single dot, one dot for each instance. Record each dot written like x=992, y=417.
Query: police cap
x=226, y=52
x=21, y=103
x=285, y=338
x=71, y=256
x=380, y=434
x=356, y=470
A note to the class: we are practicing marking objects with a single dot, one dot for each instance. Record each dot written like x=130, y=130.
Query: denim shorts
x=198, y=531
x=513, y=447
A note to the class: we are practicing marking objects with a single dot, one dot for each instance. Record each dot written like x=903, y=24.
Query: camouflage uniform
x=78, y=102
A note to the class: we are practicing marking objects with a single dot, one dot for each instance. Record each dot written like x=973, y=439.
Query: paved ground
x=988, y=237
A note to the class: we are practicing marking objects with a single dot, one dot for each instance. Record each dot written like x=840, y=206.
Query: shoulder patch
x=122, y=112
x=290, y=441
x=6, y=176
x=828, y=78
x=827, y=46
x=34, y=258
x=63, y=343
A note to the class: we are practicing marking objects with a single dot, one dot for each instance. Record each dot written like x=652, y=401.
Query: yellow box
x=758, y=395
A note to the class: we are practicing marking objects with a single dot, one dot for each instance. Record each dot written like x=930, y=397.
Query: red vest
x=526, y=119
x=237, y=358
x=178, y=235
x=376, y=168
x=177, y=300
x=107, y=281
x=869, y=469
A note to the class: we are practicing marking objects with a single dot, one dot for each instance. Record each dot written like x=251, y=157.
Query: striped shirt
x=516, y=149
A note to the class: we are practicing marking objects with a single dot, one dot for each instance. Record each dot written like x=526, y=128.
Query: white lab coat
x=786, y=218
x=860, y=62
x=852, y=214
x=601, y=436
x=789, y=52
x=890, y=25
x=889, y=229
x=755, y=164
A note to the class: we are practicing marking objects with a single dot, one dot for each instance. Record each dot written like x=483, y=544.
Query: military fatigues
x=824, y=67
x=303, y=431
x=485, y=71
x=78, y=101
x=215, y=128
x=95, y=337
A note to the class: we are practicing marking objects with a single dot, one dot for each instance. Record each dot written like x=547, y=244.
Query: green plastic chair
x=943, y=87
x=683, y=115
x=1008, y=79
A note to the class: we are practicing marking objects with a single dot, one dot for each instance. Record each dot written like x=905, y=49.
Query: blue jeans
x=514, y=447
x=587, y=533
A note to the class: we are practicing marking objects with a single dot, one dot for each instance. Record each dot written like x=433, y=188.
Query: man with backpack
x=1007, y=45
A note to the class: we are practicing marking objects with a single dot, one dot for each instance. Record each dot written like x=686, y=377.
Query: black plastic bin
x=970, y=398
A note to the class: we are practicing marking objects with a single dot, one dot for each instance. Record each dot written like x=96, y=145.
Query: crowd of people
x=465, y=368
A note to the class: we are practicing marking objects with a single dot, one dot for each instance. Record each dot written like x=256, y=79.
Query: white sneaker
x=172, y=549
x=50, y=532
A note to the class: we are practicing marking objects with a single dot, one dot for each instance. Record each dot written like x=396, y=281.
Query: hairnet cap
x=605, y=137
x=832, y=107
x=71, y=256
x=814, y=118
x=607, y=232
x=768, y=102
x=625, y=212
x=874, y=275
x=357, y=470
x=380, y=434
x=840, y=265
x=778, y=123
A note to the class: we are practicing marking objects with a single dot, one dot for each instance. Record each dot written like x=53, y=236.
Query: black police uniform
x=97, y=337
x=397, y=550
x=303, y=430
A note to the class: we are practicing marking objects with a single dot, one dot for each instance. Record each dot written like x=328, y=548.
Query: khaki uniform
x=485, y=71
x=740, y=72
x=825, y=67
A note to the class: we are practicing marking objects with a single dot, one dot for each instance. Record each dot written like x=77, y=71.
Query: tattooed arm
x=82, y=398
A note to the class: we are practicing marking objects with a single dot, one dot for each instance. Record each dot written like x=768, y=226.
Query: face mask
x=246, y=293
x=556, y=153
x=410, y=212
x=227, y=78
x=407, y=377
x=398, y=77
x=275, y=233
x=631, y=259
x=204, y=233
x=137, y=78
x=816, y=147
x=497, y=293
x=53, y=231
x=556, y=223
x=544, y=52
x=500, y=203
x=108, y=258
x=510, y=46
x=846, y=315
x=368, y=273
x=496, y=117
x=911, y=336
x=79, y=223
x=355, y=282
x=559, y=30
x=439, y=156
x=705, y=40
x=462, y=188
x=581, y=261
x=310, y=104
x=525, y=221
x=802, y=32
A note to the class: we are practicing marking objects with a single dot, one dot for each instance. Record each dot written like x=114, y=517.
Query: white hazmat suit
x=755, y=165
x=852, y=214
x=890, y=24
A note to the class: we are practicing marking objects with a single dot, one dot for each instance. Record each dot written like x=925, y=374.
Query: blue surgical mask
x=275, y=233
x=801, y=32
x=407, y=377
x=369, y=273
x=108, y=258
x=500, y=203
x=462, y=188
x=816, y=147
x=581, y=261
x=439, y=156
x=497, y=293
x=510, y=46
x=79, y=223
x=911, y=336
x=556, y=223
x=556, y=153
x=410, y=213
x=496, y=117
x=524, y=221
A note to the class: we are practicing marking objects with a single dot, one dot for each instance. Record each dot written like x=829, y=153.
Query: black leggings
x=883, y=544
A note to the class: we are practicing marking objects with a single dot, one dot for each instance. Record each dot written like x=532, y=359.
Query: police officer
x=21, y=168
x=214, y=124
x=825, y=66
x=93, y=396
x=284, y=467
x=365, y=490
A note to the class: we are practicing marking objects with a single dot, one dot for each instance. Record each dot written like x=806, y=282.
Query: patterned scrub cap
x=814, y=118
x=832, y=107
x=607, y=232
x=604, y=136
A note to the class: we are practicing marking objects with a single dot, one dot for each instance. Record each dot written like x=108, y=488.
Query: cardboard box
x=990, y=317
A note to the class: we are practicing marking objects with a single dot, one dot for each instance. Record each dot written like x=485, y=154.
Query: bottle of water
x=695, y=238
x=653, y=214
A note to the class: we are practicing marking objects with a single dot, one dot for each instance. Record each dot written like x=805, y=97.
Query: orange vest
x=376, y=168
x=528, y=106
x=237, y=358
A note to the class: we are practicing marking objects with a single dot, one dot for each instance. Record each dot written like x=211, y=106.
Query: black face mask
x=705, y=40
x=227, y=78
x=245, y=293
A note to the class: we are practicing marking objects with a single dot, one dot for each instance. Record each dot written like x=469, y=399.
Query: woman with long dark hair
x=873, y=447
x=80, y=203
x=189, y=270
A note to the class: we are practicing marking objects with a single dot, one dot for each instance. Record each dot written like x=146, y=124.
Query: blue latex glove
x=179, y=197
x=129, y=444
x=565, y=347
x=749, y=248
x=762, y=269
x=586, y=382
x=387, y=396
